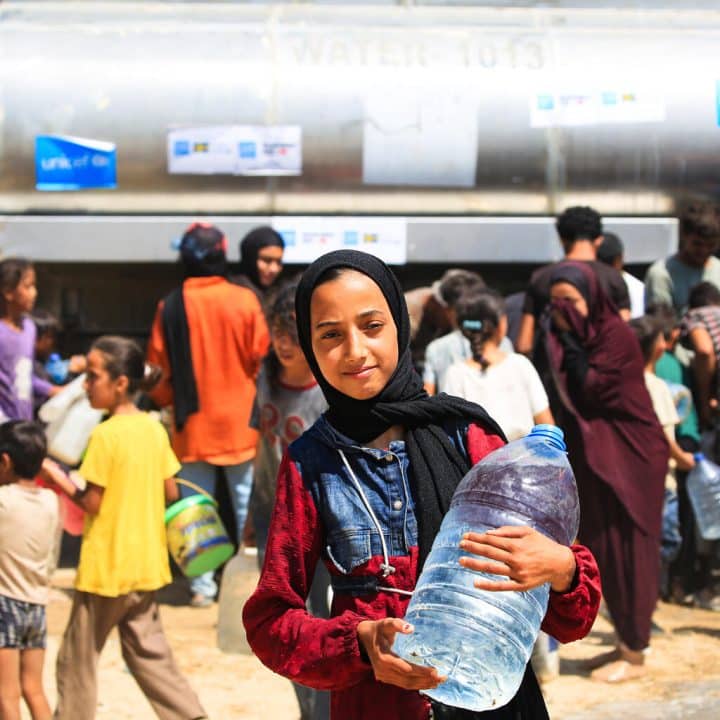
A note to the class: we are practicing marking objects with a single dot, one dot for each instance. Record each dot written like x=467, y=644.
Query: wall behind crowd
x=92, y=299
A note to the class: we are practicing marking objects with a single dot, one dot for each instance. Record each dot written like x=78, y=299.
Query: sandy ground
x=684, y=667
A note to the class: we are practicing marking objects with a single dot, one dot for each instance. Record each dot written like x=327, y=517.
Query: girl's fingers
x=499, y=586
x=412, y=677
x=490, y=552
x=508, y=531
x=492, y=568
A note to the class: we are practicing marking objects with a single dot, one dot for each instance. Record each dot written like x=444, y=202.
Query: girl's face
x=103, y=392
x=287, y=350
x=22, y=298
x=269, y=264
x=354, y=337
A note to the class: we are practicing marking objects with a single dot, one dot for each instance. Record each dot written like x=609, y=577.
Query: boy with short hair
x=29, y=516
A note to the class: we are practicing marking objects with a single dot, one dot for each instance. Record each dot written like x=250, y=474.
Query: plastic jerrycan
x=70, y=420
x=483, y=640
x=239, y=580
x=703, y=486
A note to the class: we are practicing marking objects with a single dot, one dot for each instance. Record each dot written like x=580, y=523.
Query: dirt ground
x=685, y=655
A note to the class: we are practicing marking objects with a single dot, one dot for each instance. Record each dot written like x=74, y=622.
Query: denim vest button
x=397, y=505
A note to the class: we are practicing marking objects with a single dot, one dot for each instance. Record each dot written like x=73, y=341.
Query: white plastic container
x=70, y=420
x=239, y=580
x=703, y=486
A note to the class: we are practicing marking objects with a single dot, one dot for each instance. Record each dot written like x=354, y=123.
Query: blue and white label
x=72, y=163
x=306, y=238
x=235, y=150
x=616, y=103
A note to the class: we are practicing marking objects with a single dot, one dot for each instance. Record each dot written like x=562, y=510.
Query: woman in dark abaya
x=261, y=261
x=618, y=452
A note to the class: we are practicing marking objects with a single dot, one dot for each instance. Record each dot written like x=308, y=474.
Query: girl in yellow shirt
x=125, y=479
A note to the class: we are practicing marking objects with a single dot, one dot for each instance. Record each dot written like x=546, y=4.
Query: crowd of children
x=353, y=433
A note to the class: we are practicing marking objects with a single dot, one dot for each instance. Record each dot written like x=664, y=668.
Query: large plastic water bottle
x=483, y=640
x=240, y=578
x=57, y=368
x=703, y=486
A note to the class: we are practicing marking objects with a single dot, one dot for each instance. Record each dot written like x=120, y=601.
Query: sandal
x=618, y=672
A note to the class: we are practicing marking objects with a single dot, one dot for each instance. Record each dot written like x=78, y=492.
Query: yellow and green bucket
x=197, y=539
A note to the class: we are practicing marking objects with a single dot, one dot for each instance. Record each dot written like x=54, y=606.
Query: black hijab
x=403, y=401
x=436, y=467
x=250, y=247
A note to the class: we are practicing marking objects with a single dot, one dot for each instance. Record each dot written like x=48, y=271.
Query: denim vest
x=352, y=503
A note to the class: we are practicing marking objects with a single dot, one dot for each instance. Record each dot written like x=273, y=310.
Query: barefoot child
x=365, y=490
x=28, y=521
x=125, y=479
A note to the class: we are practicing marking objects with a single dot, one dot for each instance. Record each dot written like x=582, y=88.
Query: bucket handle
x=196, y=488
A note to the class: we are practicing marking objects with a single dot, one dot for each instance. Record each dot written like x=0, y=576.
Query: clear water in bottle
x=483, y=640
x=703, y=486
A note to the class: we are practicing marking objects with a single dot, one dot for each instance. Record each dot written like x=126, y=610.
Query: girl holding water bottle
x=123, y=484
x=364, y=490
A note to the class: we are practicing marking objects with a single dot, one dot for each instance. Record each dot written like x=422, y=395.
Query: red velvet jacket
x=325, y=654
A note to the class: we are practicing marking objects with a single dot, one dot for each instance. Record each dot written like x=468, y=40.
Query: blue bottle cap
x=552, y=434
x=698, y=457
x=54, y=357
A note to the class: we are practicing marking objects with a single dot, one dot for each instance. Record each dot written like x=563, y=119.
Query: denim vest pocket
x=347, y=549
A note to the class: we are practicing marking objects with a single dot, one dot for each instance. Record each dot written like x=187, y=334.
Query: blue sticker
x=288, y=237
x=545, y=102
x=609, y=98
x=247, y=150
x=181, y=147
x=351, y=237
x=70, y=163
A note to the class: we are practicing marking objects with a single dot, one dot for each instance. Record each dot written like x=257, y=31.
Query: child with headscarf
x=365, y=490
x=618, y=452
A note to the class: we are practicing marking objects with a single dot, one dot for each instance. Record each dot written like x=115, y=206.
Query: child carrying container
x=28, y=522
x=123, y=483
x=365, y=490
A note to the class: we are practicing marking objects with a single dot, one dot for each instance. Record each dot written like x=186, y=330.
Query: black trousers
x=528, y=704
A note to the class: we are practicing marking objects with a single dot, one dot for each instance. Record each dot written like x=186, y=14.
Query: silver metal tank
x=414, y=110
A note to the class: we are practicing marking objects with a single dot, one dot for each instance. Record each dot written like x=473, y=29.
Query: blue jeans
x=239, y=481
